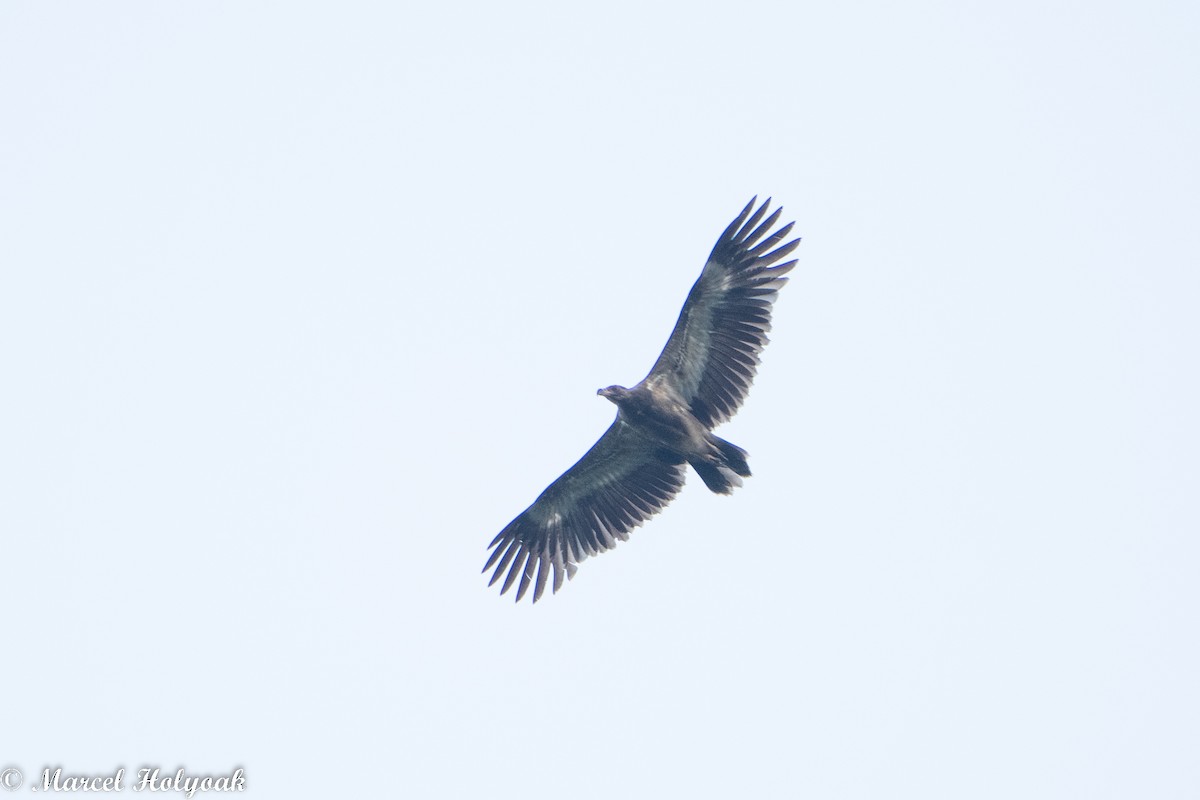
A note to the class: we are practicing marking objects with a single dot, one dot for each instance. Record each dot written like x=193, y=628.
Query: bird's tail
x=724, y=472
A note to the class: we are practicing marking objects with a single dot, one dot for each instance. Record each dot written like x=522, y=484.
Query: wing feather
x=713, y=353
x=620, y=483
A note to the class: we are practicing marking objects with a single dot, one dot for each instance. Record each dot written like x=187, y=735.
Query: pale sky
x=302, y=303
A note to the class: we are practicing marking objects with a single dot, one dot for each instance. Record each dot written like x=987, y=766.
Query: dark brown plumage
x=663, y=423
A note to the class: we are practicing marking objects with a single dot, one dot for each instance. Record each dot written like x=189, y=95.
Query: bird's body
x=662, y=418
x=666, y=421
x=663, y=423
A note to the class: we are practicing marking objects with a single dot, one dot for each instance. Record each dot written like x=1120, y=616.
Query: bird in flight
x=663, y=423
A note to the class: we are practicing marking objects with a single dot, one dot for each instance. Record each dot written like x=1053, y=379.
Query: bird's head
x=614, y=393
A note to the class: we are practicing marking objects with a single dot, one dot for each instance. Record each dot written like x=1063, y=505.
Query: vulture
x=665, y=422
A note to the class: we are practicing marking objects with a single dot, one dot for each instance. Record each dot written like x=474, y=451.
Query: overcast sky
x=301, y=303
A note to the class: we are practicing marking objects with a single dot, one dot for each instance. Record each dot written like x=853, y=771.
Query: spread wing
x=712, y=355
x=620, y=483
